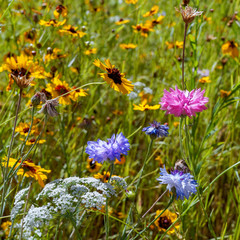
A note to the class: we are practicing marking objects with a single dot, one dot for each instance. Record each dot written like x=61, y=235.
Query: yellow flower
x=60, y=10
x=6, y=227
x=127, y=46
x=154, y=22
x=131, y=1
x=33, y=140
x=122, y=21
x=58, y=88
x=144, y=107
x=224, y=94
x=52, y=22
x=78, y=93
x=23, y=70
x=159, y=159
x=123, y=160
x=104, y=177
x=23, y=129
x=30, y=36
x=177, y=44
x=72, y=31
x=166, y=220
x=113, y=77
x=144, y=29
x=93, y=166
x=54, y=54
x=205, y=80
x=176, y=124
x=230, y=48
x=28, y=169
x=145, y=97
x=153, y=11
x=90, y=51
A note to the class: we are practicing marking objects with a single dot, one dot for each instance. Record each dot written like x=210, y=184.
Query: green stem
x=180, y=138
x=183, y=59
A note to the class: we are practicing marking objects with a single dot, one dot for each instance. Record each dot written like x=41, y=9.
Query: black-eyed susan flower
x=113, y=77
x=54, y=54
x=93, y=166
x=122, y=21
x=152, y=23
x=104, y=177
x=145, y=97
x=166, y=220
x=28, y=169
x=177, y=44
x=33, y=140
x=22, y=69
x=127, y=46
x=224, y=94
x=153, y=11
x=52, y=22
x=230, y=48
x=205, y=80
x=23, y=129
x=159, y=160
x=60, y=10
x=123, y=160
x=30, y=36
x=144, y=107
x=72, y=31
x=143, y=29
x=57, y=88
x=90, y=51
x=6, y=227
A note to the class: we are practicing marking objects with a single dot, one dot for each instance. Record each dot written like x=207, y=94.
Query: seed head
x=22, y=81
x=49, y=107
x=189, y=13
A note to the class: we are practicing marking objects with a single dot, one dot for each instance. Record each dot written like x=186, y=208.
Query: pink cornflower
x=182, y=103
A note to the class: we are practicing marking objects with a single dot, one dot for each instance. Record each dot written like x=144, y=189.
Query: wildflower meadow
x=119, y=119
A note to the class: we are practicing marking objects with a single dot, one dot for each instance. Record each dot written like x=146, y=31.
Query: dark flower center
x=92, y=165
x=60, y=8
x=31, y=35
x=25, y=130
x=20, y=72
x=138, y=28
x=53, y=21
x=115, y=75
x=61, y=89
x=164, y=222
x=48, y=94
x=26, y=166
x=72, y=30
x=33, y=140
x=232, y=45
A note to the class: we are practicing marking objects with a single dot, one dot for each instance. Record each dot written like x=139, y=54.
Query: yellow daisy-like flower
x=60, y=10
x=54, y=54
x=153, y=11
x=143, y=29
x=93, y=166
x=57, y=88
x=113, y=77
x=23, y=129
x=166, y=220
x=30, y=36
x=122, y=21
x=159, y=159
x=144, y=107
x=205, y=80
x=90, y=51
x=72, y=31
x=154, y=22
x=145, y=97
x=28, y=169
x=177, y=44
x=104, y=177
x=123, y=160
x=33, y=140
x=6, y=227
x=22, y=68
x=131, y=1
x=52, y=22
x=230, y=48
x=127, y=46
x=176, y=124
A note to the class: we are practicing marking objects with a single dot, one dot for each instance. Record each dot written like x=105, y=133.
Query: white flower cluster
x=138, y=87
x=65, y=196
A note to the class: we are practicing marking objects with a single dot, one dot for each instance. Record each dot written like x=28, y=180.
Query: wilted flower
x=181, y=183
x=189, y=13
x=156, y=130
x=49, y=107
x=101, y=151
x=166, y=220
x=38, y=98
x=183, y=103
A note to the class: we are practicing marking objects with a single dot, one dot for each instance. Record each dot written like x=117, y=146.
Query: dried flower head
x=22, y=81
x=37, y=98
x=189, y=13
x=49, y=107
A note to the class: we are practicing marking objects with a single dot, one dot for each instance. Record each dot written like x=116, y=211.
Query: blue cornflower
x=101, y=151
x=183, y=183
x=156, y=130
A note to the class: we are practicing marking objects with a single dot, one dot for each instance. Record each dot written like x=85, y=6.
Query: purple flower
x=183, y=103
x=101, y=151
x=156, y=130
x=182, y=183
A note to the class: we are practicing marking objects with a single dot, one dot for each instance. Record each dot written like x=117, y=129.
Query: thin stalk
x=183, y=59
x=153, y=205
x=180, y=137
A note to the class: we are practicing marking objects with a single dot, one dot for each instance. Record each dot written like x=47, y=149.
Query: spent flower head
x=189, y=13
x=183, y=103
x=181, y=183
x=49, y=107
